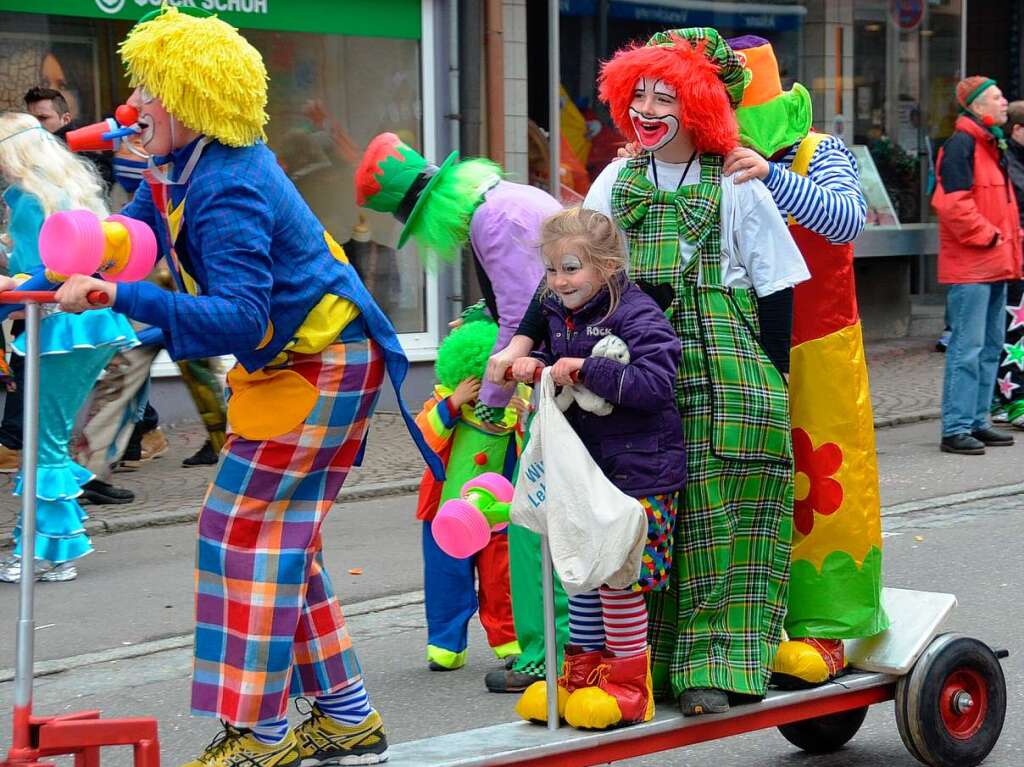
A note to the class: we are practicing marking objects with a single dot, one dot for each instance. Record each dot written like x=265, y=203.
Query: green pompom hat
x=464, y=353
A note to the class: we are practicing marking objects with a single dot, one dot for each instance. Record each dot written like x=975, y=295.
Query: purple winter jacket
x=639, y=445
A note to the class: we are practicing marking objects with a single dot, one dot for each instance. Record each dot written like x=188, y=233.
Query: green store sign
x=363, y=18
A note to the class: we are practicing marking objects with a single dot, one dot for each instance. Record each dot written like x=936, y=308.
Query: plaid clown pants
x=268, y=624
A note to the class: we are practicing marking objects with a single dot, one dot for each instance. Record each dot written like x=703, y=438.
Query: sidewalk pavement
x=906, y=384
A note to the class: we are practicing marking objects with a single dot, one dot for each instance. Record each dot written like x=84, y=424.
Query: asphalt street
x=134, y=597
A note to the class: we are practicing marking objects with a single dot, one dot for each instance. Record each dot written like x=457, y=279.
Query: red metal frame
x=715, y=729
x=81, y=735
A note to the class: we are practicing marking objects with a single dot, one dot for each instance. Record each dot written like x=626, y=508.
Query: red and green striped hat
x=394, y=178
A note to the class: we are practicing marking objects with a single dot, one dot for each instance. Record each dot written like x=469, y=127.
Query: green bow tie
x=690, y=212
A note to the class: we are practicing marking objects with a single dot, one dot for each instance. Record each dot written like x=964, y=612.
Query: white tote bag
x=596, y=532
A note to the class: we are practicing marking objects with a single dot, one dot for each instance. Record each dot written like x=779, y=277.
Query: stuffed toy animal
x=610, y=346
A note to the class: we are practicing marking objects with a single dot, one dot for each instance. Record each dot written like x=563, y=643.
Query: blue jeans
x=976, y=316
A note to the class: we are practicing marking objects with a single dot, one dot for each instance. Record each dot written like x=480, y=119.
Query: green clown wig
x=443, y=228
x=464, y=353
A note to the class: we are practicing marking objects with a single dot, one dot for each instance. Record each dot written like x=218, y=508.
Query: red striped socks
x=625, y=621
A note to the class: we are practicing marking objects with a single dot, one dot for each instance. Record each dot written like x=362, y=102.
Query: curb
x=953, y=499
x=914, y=417
x=181, y=641
x=160, y=519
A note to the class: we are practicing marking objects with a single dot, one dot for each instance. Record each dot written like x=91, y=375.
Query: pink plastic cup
x=143, y=251
x=72, y=242
x=460, y=530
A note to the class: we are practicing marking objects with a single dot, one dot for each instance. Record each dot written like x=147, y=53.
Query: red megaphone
x=106, y=135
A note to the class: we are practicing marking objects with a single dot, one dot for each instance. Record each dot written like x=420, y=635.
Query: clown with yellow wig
x=259, y=278
x=836, y=577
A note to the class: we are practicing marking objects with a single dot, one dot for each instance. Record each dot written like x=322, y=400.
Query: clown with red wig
x=726, y=254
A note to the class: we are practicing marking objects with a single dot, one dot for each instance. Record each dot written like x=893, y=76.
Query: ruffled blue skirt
x=74, y=349
x=62, y=333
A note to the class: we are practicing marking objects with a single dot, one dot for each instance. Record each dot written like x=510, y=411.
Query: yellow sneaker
x=323, y=741
x=238, y=748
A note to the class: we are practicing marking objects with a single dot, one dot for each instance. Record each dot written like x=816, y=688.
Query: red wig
x=705, y=111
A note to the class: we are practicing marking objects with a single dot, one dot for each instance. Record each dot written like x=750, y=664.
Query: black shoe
x=509, y=681
x=510, y=662
x=993, y=437
x=133, y=451
x=435, y=666
x=962, y=444
x=703, y=700
x=102, y=493
x=205, y=456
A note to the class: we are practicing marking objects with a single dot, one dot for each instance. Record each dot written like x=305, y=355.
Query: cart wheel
x=825, y=734
x=902, y=716
x=950, y=707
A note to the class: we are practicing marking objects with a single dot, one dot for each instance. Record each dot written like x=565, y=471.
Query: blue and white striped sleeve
x=828, y=201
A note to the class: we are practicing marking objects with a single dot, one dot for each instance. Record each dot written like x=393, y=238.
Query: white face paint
x=571, y=280
x=159, y=132
x=655, y=113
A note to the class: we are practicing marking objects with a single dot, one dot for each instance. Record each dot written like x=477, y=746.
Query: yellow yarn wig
x=203, y=71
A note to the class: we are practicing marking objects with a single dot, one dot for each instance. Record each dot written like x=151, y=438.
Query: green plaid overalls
x=720, y=622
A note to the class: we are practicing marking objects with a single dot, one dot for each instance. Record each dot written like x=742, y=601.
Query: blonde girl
x=45, y=177
x=602, y=332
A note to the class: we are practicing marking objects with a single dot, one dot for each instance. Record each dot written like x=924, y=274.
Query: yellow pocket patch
x=267, y=404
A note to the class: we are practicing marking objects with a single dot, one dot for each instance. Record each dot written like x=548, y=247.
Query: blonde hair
x=601, y=245
x=39, y=164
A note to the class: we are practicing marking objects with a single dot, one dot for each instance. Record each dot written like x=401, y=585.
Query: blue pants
x=450, y=595
x=976, y=316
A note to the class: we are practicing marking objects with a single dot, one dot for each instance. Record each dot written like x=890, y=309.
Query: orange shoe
x=621, y=693
x=10, y=460
x=807, y=662
x=576, y=669
x=154, y=444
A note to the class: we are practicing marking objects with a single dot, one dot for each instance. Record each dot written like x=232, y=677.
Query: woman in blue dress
x=43, y=177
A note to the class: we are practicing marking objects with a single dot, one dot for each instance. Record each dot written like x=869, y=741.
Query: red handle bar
x=537, y=374
x=94, y=297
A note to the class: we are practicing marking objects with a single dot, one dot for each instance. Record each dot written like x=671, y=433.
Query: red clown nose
x=126, y=115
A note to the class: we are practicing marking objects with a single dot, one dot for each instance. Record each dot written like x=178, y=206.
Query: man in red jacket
x=979, y=250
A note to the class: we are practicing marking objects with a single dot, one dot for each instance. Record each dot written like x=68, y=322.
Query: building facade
x=445, y=73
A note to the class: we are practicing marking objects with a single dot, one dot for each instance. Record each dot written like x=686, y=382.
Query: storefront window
x=905, y=68
x=329, y=95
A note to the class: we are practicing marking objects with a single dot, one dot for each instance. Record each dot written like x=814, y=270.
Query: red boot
x=621, y=692
x=576, y=669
